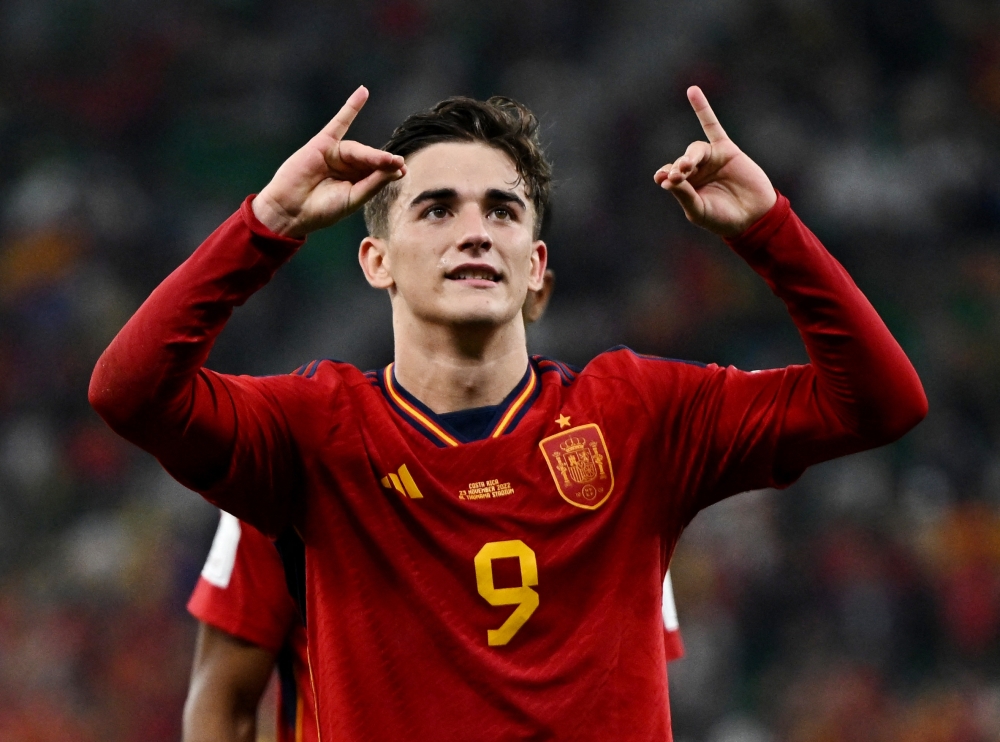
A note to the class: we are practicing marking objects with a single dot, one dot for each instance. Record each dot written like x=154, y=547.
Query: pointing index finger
x=340, y=123
x=706, y=116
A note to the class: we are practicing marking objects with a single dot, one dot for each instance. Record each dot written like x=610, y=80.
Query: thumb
x=687, y=197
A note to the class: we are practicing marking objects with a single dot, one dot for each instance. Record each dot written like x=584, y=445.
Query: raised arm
x=150, y=385
x=859, y=391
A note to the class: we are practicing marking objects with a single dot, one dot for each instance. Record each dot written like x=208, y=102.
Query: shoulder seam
x=647, y=357
x=309, y=370
x=567, y=374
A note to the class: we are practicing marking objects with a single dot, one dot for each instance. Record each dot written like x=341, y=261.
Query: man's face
x=460, y=248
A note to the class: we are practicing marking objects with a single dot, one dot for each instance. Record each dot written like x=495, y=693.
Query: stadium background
x=861, y=604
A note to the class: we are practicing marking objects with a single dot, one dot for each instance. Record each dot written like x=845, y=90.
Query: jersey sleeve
x=726, y=430
x=228, y=437
x=242, y=588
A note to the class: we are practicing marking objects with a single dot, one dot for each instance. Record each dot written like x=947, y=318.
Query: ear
x=537, y=301
x=539, y=261
x=374, y=261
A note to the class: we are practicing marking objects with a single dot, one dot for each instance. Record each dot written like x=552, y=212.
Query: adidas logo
x=403, y=483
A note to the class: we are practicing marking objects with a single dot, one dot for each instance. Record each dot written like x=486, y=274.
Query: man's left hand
x=717, y=185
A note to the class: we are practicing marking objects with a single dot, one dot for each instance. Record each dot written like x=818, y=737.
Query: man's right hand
x=327, y=179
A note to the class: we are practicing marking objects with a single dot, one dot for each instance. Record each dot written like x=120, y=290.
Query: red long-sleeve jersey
x=243, y=591
x=507, y=587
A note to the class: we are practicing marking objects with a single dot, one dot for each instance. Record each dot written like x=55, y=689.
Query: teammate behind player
x=486, y=535
x=248, y=624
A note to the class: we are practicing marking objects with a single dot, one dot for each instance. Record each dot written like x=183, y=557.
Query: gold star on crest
x=563, y=421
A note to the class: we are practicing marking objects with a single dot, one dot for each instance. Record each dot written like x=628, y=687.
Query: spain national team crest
x=579, y=461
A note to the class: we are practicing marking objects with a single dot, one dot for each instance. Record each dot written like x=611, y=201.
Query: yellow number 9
x=523, y=597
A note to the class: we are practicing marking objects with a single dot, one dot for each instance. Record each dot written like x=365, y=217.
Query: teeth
x=475, y=274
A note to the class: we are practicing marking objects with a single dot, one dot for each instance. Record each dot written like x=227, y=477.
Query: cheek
x=414, y=270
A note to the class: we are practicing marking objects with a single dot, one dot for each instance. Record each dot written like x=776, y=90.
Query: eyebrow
x=497, y=196
x=494, y=195
x=438, y=194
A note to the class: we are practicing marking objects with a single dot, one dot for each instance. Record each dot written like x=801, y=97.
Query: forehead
x=468, y=167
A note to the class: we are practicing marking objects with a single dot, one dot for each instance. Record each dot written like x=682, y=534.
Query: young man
x=484, y=535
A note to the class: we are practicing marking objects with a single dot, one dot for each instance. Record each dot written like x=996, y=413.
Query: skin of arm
x=228, y=678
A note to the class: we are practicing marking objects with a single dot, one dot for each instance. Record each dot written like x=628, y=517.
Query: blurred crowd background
x=861, y=604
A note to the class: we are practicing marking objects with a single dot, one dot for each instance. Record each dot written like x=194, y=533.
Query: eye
x=503, y=213
x=436, y=212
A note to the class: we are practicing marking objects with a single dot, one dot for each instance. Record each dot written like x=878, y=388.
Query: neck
x=457, y=368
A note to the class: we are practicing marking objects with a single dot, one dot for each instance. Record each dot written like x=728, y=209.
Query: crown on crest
x=571, y=445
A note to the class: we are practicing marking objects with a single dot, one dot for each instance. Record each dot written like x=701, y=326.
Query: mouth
x=474, y=275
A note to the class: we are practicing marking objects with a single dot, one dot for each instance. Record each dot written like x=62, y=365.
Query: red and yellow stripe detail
x=430, y=425
x=516, y=405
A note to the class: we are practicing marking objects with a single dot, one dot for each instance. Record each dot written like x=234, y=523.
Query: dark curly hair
x=499, y=122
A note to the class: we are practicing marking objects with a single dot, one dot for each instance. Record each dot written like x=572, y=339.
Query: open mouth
x=473, y=274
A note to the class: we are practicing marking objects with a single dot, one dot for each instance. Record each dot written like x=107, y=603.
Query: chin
x=482, y=317
x=479, y=320
x=472, y=312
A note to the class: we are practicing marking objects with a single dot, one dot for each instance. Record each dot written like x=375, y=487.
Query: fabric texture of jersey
x=242, y=591
x=508, y=587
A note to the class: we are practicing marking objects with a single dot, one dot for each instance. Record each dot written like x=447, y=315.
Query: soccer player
x=484, y=535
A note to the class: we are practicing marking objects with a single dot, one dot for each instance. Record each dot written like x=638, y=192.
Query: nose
x=475, y=237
